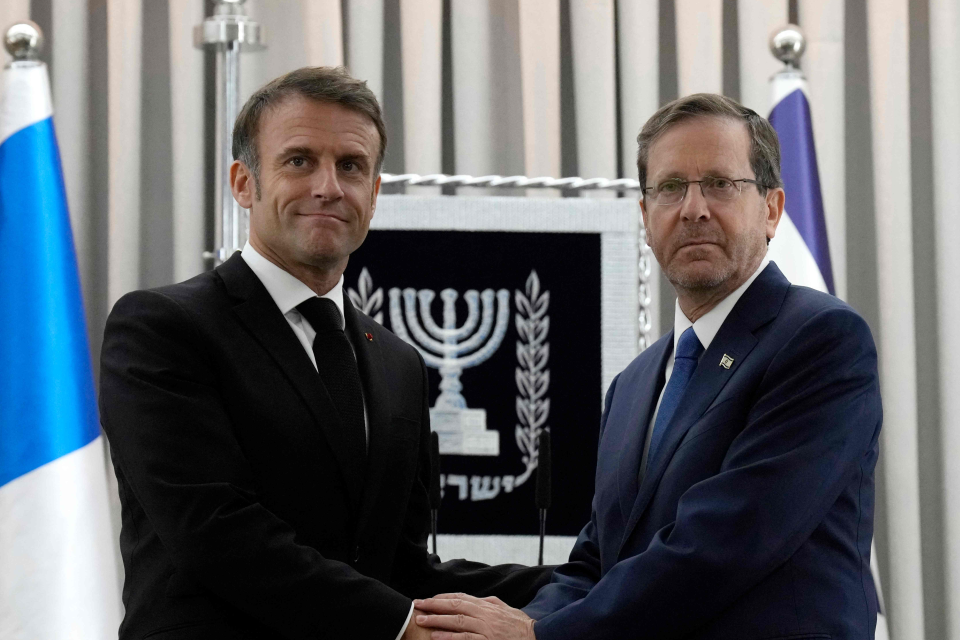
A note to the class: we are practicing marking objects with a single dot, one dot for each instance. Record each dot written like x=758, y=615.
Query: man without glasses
x=270, y=442
x=735, y=475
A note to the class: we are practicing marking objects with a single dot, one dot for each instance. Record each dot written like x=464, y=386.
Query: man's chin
x=321, y=255
x=694, y=277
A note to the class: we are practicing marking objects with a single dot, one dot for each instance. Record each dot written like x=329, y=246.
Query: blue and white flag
x=58, y=574
x=800, y=248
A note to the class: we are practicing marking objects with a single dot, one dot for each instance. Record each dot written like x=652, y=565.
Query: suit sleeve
x=170, y=433
x=573, y=580
x=815, y=419
x=419, y=574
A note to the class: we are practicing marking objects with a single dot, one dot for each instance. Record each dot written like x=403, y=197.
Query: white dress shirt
x=287, y=292
x=706, y=328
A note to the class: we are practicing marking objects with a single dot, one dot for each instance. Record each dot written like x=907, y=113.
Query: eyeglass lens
x=716, y=189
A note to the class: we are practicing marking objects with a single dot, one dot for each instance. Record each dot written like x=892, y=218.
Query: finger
x=458, y=623
x=453, y=596
x=495, y=600
x=449, y=606
x=449, y=635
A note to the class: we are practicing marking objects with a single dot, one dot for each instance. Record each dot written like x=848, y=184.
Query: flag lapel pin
x=726, y=361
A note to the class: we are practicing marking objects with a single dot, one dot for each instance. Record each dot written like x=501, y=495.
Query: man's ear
x=774, y=207
x=242, y=184
x=643, y=214
x=373, y=199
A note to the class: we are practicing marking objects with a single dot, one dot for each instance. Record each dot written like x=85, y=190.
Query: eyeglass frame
x=686, y=187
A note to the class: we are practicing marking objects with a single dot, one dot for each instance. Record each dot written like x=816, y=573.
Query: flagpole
x=228, y=32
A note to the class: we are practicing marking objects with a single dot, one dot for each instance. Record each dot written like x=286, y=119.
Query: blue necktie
x=684, y=364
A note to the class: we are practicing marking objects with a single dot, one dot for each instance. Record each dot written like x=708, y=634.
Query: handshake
x=457, y=616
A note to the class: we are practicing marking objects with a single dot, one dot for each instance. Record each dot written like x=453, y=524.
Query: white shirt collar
x=709, y=324
x=285, y=289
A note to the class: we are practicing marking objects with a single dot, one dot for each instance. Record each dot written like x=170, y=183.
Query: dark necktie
x=684, y=364
x=337, y=366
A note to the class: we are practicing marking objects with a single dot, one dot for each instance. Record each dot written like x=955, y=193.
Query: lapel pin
x=370, y=338
x=726, y=361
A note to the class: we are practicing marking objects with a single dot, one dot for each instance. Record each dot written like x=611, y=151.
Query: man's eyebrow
x=286, y=152
x=676, y=175
x=295, y=151
x=354, y=157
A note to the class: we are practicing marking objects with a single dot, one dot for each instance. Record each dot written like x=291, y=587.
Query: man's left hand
x=457, y=616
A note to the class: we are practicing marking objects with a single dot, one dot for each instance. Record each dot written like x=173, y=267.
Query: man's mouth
x=322, y=214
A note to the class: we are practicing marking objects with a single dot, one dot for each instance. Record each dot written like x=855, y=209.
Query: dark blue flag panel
x=509, y=325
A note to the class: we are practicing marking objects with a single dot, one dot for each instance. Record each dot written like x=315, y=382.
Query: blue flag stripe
x=47, y=400
x=791, y=119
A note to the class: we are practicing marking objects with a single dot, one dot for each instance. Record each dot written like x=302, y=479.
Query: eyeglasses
x=673, y=191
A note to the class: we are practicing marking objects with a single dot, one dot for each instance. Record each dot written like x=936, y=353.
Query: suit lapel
x=644, y=400
x=257, y=311
x=759, y=305
x=376, y=393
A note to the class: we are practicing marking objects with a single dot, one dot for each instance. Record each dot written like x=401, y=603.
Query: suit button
x=356, y=554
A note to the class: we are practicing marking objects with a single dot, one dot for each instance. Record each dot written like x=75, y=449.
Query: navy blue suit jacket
x=756, y=517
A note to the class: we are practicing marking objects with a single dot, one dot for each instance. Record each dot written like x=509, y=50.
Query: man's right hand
x=415, y=631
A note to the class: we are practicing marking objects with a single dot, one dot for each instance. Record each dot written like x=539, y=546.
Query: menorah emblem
x=451, y=349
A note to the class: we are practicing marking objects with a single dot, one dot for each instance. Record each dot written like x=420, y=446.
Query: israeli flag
x=58, y=574
x=800, y=248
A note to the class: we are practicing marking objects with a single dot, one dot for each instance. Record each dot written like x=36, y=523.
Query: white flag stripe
x=26, y=98
x=59, y=577
x=783, y=86
x=792, y=255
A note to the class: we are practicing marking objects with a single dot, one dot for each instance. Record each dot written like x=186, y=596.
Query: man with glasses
x=735, y=478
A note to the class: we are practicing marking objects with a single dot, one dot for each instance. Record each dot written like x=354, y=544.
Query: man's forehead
x=701, y=144
x=301, y=122
x=306, y=138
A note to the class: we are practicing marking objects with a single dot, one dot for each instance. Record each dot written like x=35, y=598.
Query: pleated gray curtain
x=559, y=88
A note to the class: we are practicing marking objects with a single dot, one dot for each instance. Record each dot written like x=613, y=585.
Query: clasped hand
x=458, y=616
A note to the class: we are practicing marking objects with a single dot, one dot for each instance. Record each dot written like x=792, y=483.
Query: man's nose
x=326, y=182
x=694, y=205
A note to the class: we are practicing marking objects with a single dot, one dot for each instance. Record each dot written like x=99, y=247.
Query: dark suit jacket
x=245, y=514
x=755, y=519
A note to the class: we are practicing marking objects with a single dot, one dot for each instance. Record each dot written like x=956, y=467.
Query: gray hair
x=323, y=84
x=764, y=143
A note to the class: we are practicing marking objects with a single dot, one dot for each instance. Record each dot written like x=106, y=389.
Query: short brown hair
x=764, y=143
x=323, y=84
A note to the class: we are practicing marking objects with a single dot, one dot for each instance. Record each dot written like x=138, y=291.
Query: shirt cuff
x=405, y=622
